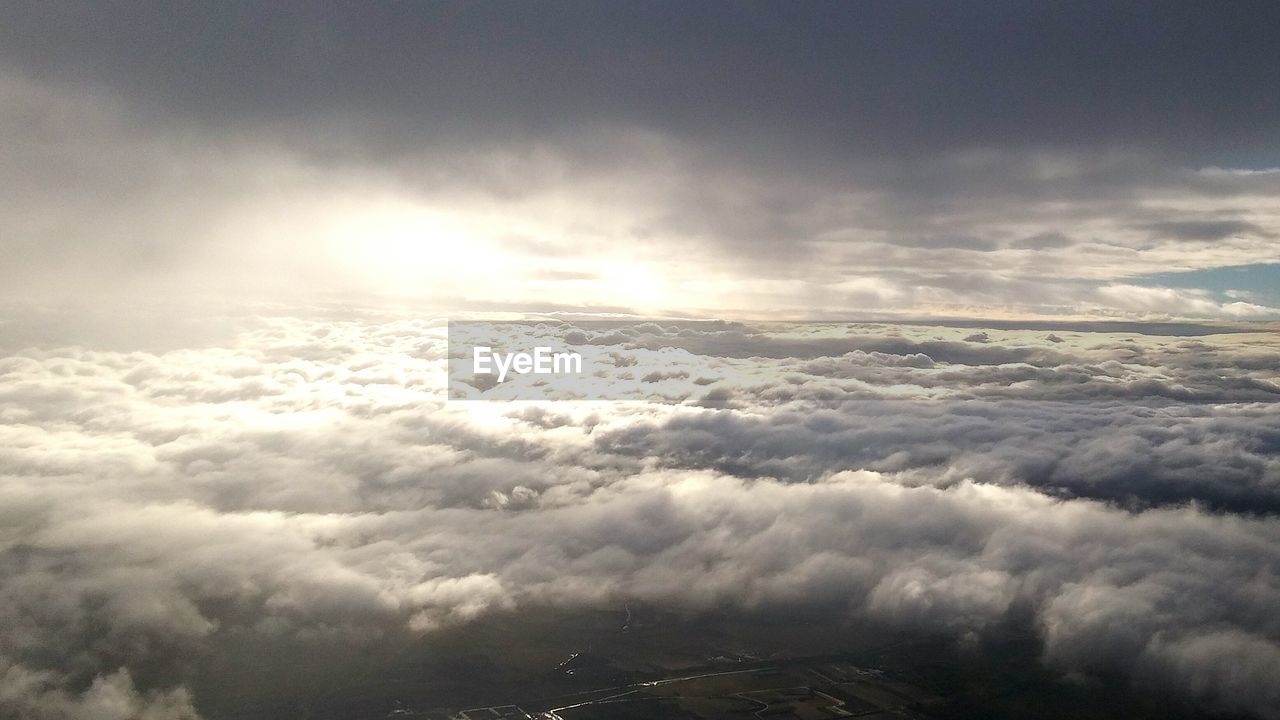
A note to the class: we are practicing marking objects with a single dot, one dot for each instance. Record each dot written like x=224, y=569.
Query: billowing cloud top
x=305, y=485
x=1012, y=158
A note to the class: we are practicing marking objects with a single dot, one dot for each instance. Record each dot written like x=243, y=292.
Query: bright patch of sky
x=1258, y=283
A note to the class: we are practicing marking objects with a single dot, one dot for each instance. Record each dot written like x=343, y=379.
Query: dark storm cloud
x=887, y=77
x=1008, y=155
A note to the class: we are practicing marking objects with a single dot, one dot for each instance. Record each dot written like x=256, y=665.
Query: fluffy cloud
x=308, y=484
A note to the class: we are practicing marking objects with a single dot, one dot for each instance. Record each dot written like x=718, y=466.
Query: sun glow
x=468, y=255
x=411, y=250
x=635, y=286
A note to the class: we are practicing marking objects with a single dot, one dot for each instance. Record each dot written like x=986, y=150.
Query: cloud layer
x=823, y=161
x=308, y=484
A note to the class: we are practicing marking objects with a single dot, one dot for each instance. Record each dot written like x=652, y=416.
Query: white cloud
x=309, y=482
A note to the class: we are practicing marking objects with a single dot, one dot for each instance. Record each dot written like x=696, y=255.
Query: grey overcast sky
x=905, y=157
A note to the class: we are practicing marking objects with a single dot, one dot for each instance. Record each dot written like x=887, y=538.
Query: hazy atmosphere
x=941, y=376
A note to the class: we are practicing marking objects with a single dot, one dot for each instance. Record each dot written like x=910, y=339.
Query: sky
x=957, y=319
x=723, y=160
